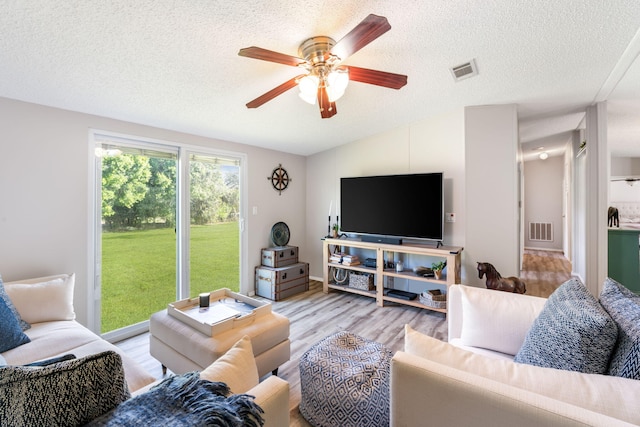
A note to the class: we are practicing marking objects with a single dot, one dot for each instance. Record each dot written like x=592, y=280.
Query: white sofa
x=454, y=384
x=47, y=304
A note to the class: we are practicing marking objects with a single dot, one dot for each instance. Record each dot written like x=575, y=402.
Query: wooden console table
x=380, y=251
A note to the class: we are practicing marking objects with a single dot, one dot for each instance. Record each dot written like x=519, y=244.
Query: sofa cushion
x=53, y=339
x=495, y=320
x=11, y=334
x=612, y=396
x=3, y=296
x=236, y=368
x=67, y=393
x=573, y=332
x=44, y=301
x=624, y=307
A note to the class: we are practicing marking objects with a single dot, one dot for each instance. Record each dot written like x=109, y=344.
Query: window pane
x=214, y=251
x=138, y=234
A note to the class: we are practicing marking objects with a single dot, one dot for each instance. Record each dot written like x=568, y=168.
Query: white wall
x=579, y=188
x=543, y=181
x=597, y=170
x=621, y=191
x=44, y=190
x=431, y=145
x=492, y=189
x=625, y=166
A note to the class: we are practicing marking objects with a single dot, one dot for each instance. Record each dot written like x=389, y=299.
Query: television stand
x=381, y=252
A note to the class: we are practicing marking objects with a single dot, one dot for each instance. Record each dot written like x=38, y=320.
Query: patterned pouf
x=344, y=380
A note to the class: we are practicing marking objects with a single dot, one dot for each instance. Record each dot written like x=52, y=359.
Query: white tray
x=227, y=310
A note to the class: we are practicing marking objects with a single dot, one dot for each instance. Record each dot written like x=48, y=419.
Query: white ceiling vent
x=464, y=71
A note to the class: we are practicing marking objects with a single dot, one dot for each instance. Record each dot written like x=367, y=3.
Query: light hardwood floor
x=315, y=315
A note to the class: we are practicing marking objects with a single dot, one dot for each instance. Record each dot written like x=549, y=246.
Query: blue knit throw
x=185, y=400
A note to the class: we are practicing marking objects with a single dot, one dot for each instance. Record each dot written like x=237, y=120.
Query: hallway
x=543, y=271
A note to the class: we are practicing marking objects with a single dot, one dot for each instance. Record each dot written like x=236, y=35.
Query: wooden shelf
x=413, y=276
x=361, y=268
x=451, y=254
x=413, y=303
x=346, y=288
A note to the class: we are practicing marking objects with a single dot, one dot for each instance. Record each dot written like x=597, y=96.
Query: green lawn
x=139, y=269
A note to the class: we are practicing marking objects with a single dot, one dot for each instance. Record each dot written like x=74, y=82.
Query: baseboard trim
x=544, y=249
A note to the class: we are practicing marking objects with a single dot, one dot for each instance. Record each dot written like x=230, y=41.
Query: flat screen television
x=410, y=206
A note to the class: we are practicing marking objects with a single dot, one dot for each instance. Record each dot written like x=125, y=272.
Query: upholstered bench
x=182, y=348
x=344, y=380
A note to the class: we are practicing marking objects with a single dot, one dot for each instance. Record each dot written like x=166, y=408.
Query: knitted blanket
x=185, y=400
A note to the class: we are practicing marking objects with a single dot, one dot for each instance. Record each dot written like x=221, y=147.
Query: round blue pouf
x=344, y=381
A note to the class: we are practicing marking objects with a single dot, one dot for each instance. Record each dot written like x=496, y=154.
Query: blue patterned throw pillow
x=67, y=393
x=624, y=307
x=3, y=296
x=11, y=335
x=573, y=332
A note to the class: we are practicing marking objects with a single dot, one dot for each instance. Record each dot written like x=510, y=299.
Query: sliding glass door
x=167, y=227
x=214, y=235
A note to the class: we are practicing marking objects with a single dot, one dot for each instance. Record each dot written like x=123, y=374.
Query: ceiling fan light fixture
x=309, y=88
x=336, y=83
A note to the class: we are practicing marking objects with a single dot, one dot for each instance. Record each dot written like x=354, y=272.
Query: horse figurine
x=497, y=282
x=612, y=215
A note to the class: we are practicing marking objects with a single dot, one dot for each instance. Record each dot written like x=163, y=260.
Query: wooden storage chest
x=277, y=283
x=279, y=256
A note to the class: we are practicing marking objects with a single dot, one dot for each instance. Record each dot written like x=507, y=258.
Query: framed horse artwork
x=497, y=282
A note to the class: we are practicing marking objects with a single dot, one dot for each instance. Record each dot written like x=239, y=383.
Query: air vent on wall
x=541, y=231
x=464, y=71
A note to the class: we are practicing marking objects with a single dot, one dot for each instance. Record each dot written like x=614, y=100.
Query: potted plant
x=437, y=268
x=335, y=228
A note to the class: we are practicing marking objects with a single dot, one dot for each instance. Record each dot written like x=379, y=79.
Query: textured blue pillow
x=3, y=296
x=69, y=393
x=573, y=332
x=11, y=335
x=624, y=307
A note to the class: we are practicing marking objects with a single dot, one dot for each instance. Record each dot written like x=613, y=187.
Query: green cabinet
x=624, y=257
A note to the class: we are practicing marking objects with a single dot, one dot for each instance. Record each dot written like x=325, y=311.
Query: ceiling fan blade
x=371, y=27
x=327, y=109
x=278, y=90
x=271, y=56
x=375, y=77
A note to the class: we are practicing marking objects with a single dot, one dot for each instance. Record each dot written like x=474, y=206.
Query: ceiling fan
x=325, y=79
x=629, y=181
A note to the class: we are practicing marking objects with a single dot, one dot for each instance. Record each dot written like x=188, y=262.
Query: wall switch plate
x=451, y=217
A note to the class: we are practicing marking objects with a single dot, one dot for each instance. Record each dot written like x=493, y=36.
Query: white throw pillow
x=613, y=396
x=237, y=368
x=45, y=301
x=497, y=320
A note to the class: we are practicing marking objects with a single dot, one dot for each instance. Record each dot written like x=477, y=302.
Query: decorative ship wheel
x=279, y=179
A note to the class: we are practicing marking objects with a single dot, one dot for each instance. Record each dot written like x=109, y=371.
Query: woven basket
x=363, y=282
x=435, y=301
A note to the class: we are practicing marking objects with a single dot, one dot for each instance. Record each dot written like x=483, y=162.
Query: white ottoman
x=182, y=349
x=344, y=381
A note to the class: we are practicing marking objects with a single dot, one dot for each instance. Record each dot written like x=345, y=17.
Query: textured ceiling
x=174, y=64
